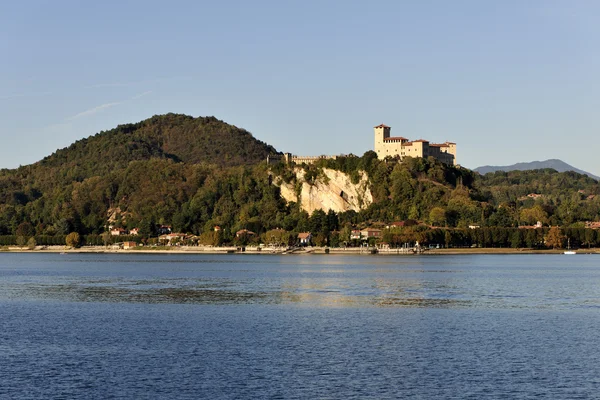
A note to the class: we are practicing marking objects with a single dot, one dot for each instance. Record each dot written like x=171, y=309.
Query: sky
x=508, y=81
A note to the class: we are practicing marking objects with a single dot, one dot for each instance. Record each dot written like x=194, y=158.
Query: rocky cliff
x=331, y=190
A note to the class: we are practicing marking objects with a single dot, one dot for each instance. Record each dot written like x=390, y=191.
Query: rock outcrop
x=331, y=190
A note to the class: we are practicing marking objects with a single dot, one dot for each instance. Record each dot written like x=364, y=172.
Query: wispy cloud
x=102, y=107
x=133, y=83
x=137, y=96
x=93, y=111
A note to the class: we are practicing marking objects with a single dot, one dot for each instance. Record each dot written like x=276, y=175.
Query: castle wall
x=310, y=159
x=386, y=145
x=390, y=148
x=288, y=158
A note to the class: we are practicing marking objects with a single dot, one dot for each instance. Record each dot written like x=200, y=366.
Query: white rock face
x=335, y=192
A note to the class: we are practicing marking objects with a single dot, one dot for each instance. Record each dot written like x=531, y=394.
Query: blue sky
x=509, y=81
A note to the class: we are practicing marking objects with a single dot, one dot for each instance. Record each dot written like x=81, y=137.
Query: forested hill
x=554, y=164
x=181, y=138
x=153, y=148
x=198, y=173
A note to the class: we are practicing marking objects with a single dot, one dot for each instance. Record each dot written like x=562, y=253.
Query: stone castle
x=386, y=145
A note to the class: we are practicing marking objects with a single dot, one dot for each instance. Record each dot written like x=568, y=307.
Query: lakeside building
x=365, y=234
x=538, y=225
x=304, y=238
x=386, y=145
x=118, y=231
x=244, y=232
x=592, y=225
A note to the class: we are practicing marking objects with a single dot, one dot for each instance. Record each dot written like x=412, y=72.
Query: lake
x=135, y=326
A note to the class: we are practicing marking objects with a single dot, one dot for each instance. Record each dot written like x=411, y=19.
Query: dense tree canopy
x=197, y=173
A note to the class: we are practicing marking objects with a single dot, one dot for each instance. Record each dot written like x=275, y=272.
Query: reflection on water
x=175, y=292
x=316, y=281
x=155, y=295
x=276, y=327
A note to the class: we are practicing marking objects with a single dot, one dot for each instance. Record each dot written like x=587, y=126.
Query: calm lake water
x=100, y=326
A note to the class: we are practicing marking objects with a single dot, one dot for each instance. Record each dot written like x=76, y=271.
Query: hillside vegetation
x=554, y=164
x=175, y=137
x=198, y=173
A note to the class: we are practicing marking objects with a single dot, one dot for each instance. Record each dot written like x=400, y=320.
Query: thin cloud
x=137, y=96
x=102, y=107
x=133, y=83
x=93, y=111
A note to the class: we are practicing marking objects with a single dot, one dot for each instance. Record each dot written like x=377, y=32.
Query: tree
x=555, y=238
x=516, y=239
x=532, y=215
x=147, y=228
x=21, y=241
x=531, y=238
x=345, y=234
x=402, y=184
x=62, y=226
x=589, y=237
x=73, y=240
x=25, y=229
x=276, y=237
x=413, y=213
x=318, y=222
x=106, y=238
x=332, y=221
x=502, y=217
x=217, y=237
x=437, y=216
x=243, y=238
x=31, y=243
x=334, y=240
x=320, y=239
x=447, y=238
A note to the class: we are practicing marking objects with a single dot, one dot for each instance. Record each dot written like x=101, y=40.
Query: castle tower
x=382, y=132
x=452, y=150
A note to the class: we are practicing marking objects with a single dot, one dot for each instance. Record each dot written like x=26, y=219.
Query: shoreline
x=296, y=251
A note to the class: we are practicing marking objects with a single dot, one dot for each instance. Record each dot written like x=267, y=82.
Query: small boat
x=569, y=251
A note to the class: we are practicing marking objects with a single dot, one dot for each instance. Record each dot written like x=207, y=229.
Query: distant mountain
x=555, y=164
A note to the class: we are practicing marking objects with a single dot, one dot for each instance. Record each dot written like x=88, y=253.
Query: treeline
x=197, y=173
x=525, y=197
x=60, y=240
x=494, y=237
x=194, y=198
